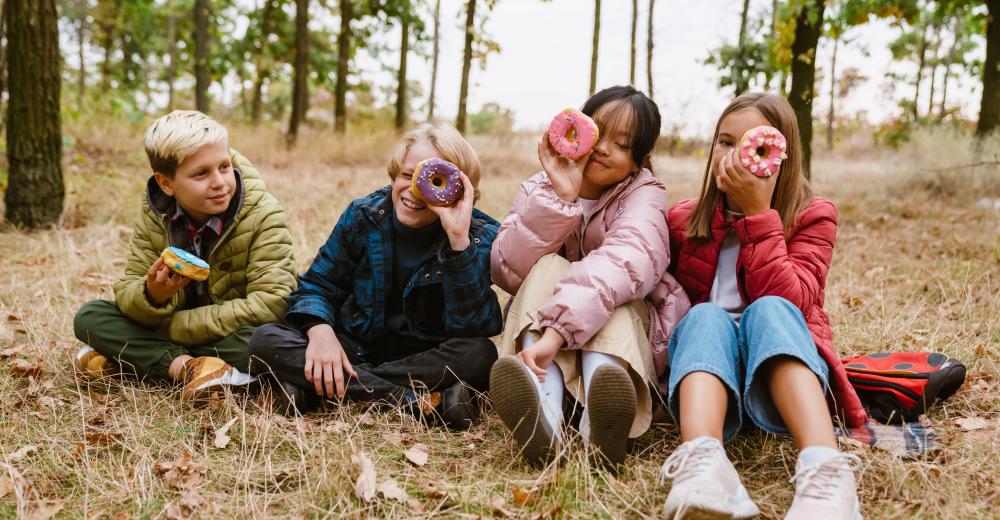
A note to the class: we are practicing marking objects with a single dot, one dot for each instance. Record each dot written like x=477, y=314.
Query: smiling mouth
x=412, y=204
x=599, y=163
x=219, y=198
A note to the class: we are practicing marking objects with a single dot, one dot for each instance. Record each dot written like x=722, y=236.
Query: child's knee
x=264, y=340
x=86, y=318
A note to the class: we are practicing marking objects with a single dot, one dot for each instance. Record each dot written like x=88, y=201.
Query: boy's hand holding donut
x=749, y=193
x=327, y=363
x=565, y=174
x=457, y=218
x=162, y=283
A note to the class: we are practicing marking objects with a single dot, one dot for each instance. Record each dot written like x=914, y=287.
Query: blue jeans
x=709, y=340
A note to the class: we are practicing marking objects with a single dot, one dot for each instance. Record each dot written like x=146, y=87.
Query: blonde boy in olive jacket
x=210, y=201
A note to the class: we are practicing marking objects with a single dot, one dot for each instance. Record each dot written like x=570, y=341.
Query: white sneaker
x=826, y=490
x=706, y=485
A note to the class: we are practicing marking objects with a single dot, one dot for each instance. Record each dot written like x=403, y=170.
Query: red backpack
x=900, y=386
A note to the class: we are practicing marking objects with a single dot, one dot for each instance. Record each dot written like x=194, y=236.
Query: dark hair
x=645, y=118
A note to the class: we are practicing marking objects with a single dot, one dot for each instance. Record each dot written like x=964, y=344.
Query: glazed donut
x=437, y=182
x=185, y=264
x=572, y=133
x=762, y=149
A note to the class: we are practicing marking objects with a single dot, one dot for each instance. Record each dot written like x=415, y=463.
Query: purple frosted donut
x=437, y=182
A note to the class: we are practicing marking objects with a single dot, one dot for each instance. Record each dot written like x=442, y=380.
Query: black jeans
x=280, y=351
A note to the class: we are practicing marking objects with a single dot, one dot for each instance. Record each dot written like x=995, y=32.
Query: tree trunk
x=81, y=40
x=800, y=95
x=769, y=75
x=989, y=108
x=35, y=189
x=741, y=81
x=404, y=49
x=300, y=94
x=202, y=77
x=343, y=55
x=593, y=52
x=262, y=69
x=649, y=50
x=172, y=56
x=936, y=38
x=921, y=63
x=434, y=66
x=463, y=95
x=3, y=56
x=635, y=26
x=833, y=95
x=957, y=33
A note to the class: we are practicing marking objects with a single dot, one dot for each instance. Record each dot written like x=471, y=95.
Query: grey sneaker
x=705, y=484
x=610, y=410
x=826, y=490
x=517, y=401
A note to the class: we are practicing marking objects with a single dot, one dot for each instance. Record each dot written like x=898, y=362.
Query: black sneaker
x=291, y=400
x=458, y=408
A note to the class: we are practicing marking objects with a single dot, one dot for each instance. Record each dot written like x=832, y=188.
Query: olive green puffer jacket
x=252, y=267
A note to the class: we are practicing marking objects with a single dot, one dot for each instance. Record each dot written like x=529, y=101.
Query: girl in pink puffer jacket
x=585, y=250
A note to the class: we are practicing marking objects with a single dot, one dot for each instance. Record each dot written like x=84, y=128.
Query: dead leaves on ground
x=221, y=435
x=181, y=473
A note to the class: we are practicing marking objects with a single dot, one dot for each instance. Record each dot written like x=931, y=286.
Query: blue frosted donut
x=184, y=263
x=437, y=182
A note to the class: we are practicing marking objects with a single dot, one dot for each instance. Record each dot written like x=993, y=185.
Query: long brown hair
x=792, y=192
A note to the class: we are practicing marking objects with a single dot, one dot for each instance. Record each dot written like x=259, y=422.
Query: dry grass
x=916, y=268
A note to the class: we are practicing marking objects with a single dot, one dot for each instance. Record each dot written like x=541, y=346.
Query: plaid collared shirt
x=200, y=240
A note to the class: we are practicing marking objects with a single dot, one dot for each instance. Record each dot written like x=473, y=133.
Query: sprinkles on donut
x=437, y=182
x=572, y=133
x=185, y=264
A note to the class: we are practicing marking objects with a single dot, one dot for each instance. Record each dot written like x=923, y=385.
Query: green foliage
x=492, y=119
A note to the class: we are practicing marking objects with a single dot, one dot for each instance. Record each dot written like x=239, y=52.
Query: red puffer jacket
x=769, y=264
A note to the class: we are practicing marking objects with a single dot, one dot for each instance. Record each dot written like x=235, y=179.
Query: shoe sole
x=517, y=403
x=698, y=513
x=611, y=403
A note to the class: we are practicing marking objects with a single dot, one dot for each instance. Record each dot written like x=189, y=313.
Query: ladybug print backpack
x=900, y=386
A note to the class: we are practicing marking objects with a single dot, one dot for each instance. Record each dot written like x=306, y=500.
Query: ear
x=166, y=183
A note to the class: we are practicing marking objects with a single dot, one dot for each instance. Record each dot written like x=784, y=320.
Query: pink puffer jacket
x=623, y=256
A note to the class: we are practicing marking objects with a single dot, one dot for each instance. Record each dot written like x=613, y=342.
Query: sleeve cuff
x=754, y=228
x=304, y=322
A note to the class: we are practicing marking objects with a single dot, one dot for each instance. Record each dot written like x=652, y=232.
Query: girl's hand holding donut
x=746, y=192
x=565, y=174
x=457, y=218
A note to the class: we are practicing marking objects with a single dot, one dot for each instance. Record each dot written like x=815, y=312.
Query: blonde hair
x=179, y=135
x=792, y=192
x=448, y=142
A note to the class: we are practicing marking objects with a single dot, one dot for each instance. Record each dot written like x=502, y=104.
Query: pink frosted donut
x=572, y=133
x=437, y=182
x=762, y=149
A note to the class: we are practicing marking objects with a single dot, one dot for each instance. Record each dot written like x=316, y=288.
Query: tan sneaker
x=209, y=375
x=91, y=365
x=705, y=484
x=826, y=490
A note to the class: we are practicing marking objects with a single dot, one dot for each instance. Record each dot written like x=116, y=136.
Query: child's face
x=409, y=211
x=731, y=129
x=611, y=160
x=203, y=184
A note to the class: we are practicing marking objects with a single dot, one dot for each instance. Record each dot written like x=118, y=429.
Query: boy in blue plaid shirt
x=398, y=303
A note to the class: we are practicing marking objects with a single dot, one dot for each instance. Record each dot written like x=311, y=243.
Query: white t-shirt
x=725, y=288
x=588, y=206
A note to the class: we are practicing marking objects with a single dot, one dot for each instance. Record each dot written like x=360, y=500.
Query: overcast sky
x=544, y=65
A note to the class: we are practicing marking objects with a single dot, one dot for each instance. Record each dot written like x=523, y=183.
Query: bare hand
x=456, y=219
x=162, y=283
x=539, y=355
x=747, y=192
x=565, y=174
x=326, y=362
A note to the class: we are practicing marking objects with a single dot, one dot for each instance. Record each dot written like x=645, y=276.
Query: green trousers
x=149, y=352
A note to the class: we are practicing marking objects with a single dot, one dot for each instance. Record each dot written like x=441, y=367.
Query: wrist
x=459, y=242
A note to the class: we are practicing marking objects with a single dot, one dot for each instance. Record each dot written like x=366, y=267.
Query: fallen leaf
x=972, y=423
x=99, y=398
x=181, y=473
x=43, y=510
x=221, y=437
x=189, y=505
x=24, y=368
x=23, y=452
x=11, y=481
x=366, y=485
x=337, y=427
x=101, y=438
x=366, y=419
x=417, y=454
x=523, y=498
x=390, y=489
x=11, y=351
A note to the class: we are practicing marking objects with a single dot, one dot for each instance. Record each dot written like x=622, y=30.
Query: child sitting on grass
x=397, y=304
x=210, y=201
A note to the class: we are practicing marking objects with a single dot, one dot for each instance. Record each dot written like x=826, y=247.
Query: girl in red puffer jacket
x=752, y=254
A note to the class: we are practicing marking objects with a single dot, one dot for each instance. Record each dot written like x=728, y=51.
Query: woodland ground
x=917, y=267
